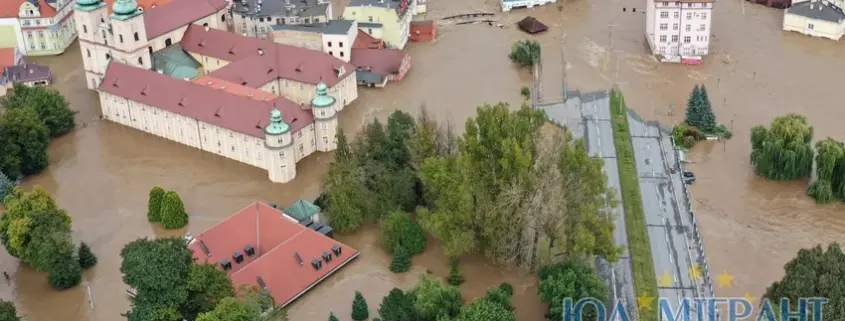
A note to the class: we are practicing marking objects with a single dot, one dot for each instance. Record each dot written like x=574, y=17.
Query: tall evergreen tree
x=332, y=317
x=401, y=261
x=699, y=110
x=87, y=258
x=173, y=213
x=360, y=311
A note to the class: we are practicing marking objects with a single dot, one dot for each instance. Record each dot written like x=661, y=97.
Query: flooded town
x=101, y=172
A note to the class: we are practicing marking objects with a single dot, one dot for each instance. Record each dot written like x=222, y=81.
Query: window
x=223, y=18
x=246, y=151
x=84, y=29
x=322, y=112
x=330, y=43
x=324, y=126
x=371, y=18
x=689, y=5
x=341, y=53
x=137, y=38
x=88, y=53
x=331, y=53
x=284, y=169
x=281, y=141
x=663, y=38
x=687, y=28
x=108, y=56
x=301, y=148
x=282, y=155
x=674, y=26
x=703, y=15
x=665, y=3
x=370, y=31
x=702, y=27
x=121, y=38
x=664, y=26
x=674, y=38
x=150, y=49
x=313, y=143
x=205, y=24
x=325, y=140
x=810, y=26
x=233, y=148
x=167, y=42
x=340, y=44
x=140, y=60
x=664, y=14
x=299, y=134
x=677, y=15
x=689, y=15
x=219, y=144
x=687, y=39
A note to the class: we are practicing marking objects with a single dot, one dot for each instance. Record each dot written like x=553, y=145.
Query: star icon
x=749, y=298
x=725, y=279
x=644, y=302
x=695, y=271
x=665, y=279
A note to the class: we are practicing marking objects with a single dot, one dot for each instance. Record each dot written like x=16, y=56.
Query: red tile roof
x=146, y=4
x=256, y=62
x=365, y=40
x=46, y=10
x=276, y=238
x=7, y=58
x=380, y=61
x=9, y=8
x=168, y=16
x=200, y=102
x=234, y=89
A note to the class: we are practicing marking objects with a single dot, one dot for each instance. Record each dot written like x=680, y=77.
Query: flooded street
x=101, y=173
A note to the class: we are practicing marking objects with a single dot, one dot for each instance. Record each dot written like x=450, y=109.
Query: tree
x=49, y=105
x=65, y=272
x=830, y=171
x=455, y=277
x=525, y=52
x=570, y=279
x=423, y=143
x=23, y=143
x=435, y=299
x=360, y=311
x=332, y=317
x=6, y=186
x=399, y=230
x=34, y=229
x=173, y=213
x=816, y=273
x=344, y=189
x=783, y=152
x=87, y=259
x=485, y=310
x=500, y=296
x=154, y=204
x=145, y=307
x=232, y=309
x=8, y=312
x=398, y=306
x=206, y=287
x=401, y=261
x=699, y=111
x=158, y=267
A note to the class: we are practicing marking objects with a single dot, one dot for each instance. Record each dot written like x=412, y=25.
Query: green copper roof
x=277, y=125
x=88, y=5
x=124, y=9
x=301, y=210
x=322, y=99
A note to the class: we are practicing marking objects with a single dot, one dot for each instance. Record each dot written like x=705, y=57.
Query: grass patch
x=642, y=264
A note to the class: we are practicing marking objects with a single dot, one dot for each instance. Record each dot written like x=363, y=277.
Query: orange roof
x=146, y=4
x=7, y=58
x=234, y=88
x=277, y=239
x=9, y=8
x=47, y=11
x=365, y=40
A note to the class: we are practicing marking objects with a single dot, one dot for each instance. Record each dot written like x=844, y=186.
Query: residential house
x=389, y=20
x=334, y=37
x=679, y=31
x=375, y=67
x=263, y=247
x=255, y=18
x=507, y=5
x=28, y=74
x=37, y=27
x=817, y=18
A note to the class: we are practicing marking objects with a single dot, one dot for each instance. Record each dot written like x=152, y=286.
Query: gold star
x=695, y=272
x=644, y=302
x=725, y=279
x=750, y=298
x=665, y=279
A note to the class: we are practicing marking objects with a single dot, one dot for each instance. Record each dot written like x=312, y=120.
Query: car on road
x=688, y=177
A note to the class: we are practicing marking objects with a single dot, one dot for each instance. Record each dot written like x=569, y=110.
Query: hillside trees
x=814, y=272
x=783, y=151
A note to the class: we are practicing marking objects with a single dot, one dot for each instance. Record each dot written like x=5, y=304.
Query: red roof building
x=365, y=40
x=261, y=246
x=423, y=31
x=377, y=66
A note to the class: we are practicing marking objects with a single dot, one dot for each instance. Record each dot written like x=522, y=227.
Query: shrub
x=507, y=287
x=360, y=311
x=332, y=317
x=8, y=312
x=455, y=277
x=173, y=213
x=154, y=204
x=87, y=258
x=398, y=229
x=65, y=273
x=525, y=52
x=525, y=92
x=401, y=261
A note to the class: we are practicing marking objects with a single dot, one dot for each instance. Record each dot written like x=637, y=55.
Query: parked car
x=688, y=177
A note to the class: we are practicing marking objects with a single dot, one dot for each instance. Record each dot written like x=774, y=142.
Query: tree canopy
x=814, y=272
x=65, y=272
x=172, y=212
x=48, y=104
x=699, y=110
x=34, y=229
x=570, y=279
x=360, y=310
x=830, y=171
x=8, y=312
x=6, y=185
x=783, y=151
x=232, y=309
x=87, y=259
x=485, y=310
x=435, y=299
x=526, y=53
x=154, y=204
x=23, y=143
x=398, y=229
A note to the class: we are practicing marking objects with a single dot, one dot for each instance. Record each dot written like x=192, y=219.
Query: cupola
x=88, y=5
x=277, y=125
x=322, y=99
x=125, y=9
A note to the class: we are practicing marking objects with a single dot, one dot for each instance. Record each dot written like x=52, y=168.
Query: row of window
x=676, y=15
x=689, y=4
x=40, y=33
x=687, y=39
x=36, y=22
x=688, y=27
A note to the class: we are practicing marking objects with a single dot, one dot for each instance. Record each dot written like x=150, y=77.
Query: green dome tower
x=125, y=9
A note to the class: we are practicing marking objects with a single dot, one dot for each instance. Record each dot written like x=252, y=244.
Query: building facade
x=255, y=18
x=679, y=31
x=824, y=19
x=37, y=27
x=507, y=5
x=389, y=20
x=335, y=37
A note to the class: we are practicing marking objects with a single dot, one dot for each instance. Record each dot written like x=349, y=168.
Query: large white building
x=817, y=18
x=679, y=31
x=507, y=5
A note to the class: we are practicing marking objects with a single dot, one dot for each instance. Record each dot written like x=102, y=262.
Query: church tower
x=129, y=34
x=281, y=162
x=89, y=18
x=325, y=119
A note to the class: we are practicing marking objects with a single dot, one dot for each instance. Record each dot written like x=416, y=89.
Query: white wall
x=823, y=29
x=15, y=23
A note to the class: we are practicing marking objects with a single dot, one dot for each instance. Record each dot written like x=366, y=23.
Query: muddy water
x=102, y=171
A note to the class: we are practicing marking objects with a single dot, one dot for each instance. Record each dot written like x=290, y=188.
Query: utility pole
x=563, y=58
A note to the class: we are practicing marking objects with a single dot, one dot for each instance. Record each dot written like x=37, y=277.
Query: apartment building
x=255, y=18
x=37, y=27
x=388, y=20
x=679, y=31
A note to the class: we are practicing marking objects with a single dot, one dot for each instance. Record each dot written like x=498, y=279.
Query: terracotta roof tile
x=380, y=61
x=235, y=89
x=168, y=16
x=276, y=238
x=365, y=40
x=7, y=57
x=200, y=102
x=47, y=11
x=256, y=62
x=9, y=8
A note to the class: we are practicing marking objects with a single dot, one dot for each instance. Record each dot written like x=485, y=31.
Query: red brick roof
x=7, y=58
x=9, y=8
x=256, y=62
x=276, y=238
x=168, y=16
x=200, y=102
x=235, y=89
x=365, y=40
x=380, y=61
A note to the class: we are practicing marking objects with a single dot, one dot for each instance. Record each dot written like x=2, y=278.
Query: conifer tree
x=401, y=261
x=332, y=317
x=173, y=213
x=87, y=258
x=455, y=277
x=154, y=204
x=699, y=111
x=360, y=311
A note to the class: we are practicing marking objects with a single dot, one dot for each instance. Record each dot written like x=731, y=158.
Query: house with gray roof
x=817, y=18
x=26, y=74
x=255, y=18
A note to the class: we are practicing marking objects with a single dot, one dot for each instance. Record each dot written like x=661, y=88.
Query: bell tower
x=281, y=162
x=129, y=34
x=325, y=118
x=89, y=18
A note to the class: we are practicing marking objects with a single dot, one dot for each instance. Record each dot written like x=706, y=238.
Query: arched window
x=84, y=29
x=88, y=52
x=167, y=42
x=137, y=38
x=121, y=38
x=150, y=49
x=205, y=24
x=140, y=60
x=223, y=18
x=108, y=56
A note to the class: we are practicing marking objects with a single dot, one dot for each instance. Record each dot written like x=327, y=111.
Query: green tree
x=8, y=312
x=435, y=299
x=232, y=309
x=423, y=143
x=360, y=311
x=23, y=143
x=500, y=296
x=332, y=317
x=485, y=310
x=206, y=287
x=145, y=307
x=507, y=288
x=51, y=107
x=398, y=229
x=87, y=259
x=65, y=272
x=525, y=92
x=398, y=306
x=173, y=213
x=830, y=171
x=344, y=189
x=34, y=229
x=814, y=272
x=6, y=186
x=783, y=152
x=455, y=278
x=158, y=267
x=570, y=279
x=401, y=261
x=526, y=53
x=699, y=110
x=154, y=204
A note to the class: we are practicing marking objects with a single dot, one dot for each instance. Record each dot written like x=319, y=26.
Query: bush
x=525, y=52
x=821, y=191
x=8, y=312
x=507, y=287
x=6, y=186
x=455, y=277
x=360, y=311
x=525, y=92
x=173, y=213
x=721, y=130
x=332, y=317
x=686, y=135
x=65, y=273
x=154, y=204
x=87, y=258
x=401, y=261
x=398, y=229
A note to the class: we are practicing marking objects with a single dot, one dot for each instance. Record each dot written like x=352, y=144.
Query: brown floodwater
x=102, y=171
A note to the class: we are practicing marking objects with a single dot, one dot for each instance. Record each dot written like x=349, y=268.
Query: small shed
x=302, y=210
x=531, y=25
x=423, y=31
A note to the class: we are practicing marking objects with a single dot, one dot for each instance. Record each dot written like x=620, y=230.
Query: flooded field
x=102, y=171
